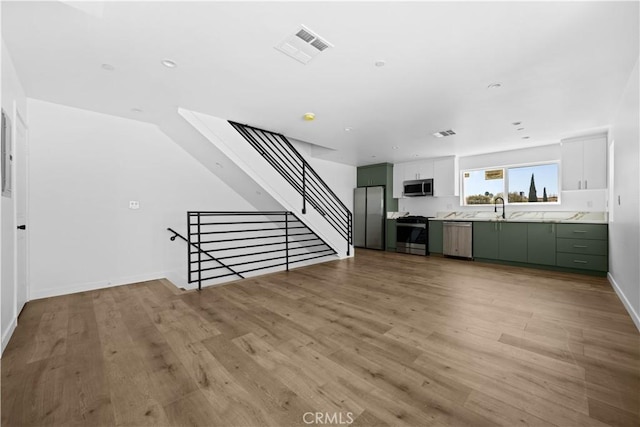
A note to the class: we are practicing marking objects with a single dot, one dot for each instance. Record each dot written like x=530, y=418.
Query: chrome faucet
x=495, y=206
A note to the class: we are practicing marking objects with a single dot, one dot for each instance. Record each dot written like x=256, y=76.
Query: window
x=482, y=186
x=531, y=184
x=525, y=184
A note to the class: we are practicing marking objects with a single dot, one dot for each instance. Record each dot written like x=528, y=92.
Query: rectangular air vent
x=305, y=35
x=444, y=133
x=303, y=45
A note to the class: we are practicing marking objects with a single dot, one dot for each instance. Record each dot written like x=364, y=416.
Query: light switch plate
x=134, y=204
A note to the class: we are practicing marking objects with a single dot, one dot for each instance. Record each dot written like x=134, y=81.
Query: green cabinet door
x=391, y=235
x=435, y=237
x=364, y=177
x=513, y=241
x=375, y=175
x=541, y=243
x=486, y=243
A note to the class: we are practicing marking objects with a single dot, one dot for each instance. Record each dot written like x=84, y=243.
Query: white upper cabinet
x=442, y=170
x=408, y=171
x=584, y=163
x=422, y=169
x=444, y=177
x=398, y=178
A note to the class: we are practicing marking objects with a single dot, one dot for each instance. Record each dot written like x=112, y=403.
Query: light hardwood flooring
x=381, y=339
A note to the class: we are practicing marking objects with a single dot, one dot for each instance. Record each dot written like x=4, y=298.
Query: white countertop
x=520, y=216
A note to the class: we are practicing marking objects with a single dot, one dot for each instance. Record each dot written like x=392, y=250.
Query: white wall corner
x=6, y=335
x=625, y=301
x=178, y=280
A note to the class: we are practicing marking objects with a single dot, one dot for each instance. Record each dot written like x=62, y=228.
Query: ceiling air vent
x=444, y=133
x=303, y=45
x=305, y=35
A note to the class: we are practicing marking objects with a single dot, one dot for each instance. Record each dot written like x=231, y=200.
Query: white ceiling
x=562, y=66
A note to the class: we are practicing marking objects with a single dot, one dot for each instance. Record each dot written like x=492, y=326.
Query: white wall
x=584, y=200
x=624, y=229
x=13, y=99
x=339, y=177
x=85, y=168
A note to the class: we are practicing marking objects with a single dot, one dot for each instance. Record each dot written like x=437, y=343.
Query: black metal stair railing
x=223, y=244
x=282, y=156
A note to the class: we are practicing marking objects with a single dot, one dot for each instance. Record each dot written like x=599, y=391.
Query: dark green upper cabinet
x=541, y=243
x=380, y=174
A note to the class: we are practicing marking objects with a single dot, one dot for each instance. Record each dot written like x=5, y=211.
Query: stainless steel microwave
x=418, y=187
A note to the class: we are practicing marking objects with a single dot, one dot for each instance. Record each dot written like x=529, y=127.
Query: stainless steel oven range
x=412, y=235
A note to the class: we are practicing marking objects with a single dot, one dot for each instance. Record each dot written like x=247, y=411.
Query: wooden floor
x=381, y=339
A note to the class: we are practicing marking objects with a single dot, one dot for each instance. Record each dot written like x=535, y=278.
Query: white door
x=21, y=193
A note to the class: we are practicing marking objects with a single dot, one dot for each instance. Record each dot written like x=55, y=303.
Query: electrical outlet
x=134, y=204
x=589, y=204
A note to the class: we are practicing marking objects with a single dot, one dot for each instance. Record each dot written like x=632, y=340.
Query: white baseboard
x=178, y=280
x=625, y=301
x=6, y=335
x=92, y=286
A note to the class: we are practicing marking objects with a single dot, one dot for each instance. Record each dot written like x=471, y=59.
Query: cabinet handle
x=579, y=231
x=579, y=246
x=579, y=261
x=579, y=185
x=495, y=226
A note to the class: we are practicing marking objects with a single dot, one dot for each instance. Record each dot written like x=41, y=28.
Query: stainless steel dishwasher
x=458, y=239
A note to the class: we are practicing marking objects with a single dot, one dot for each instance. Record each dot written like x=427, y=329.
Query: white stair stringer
x=220, y=133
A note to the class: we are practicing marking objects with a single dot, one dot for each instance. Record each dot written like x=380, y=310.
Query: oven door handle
x=412, y=225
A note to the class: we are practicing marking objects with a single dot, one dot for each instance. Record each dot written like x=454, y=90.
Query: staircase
x=225, y=245
x=276, y=167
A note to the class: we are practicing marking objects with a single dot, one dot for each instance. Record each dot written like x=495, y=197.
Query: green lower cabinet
x=513, y=241
x=435, y=237
x=541, y=244
x=565, y=247
x=583, y=262
x=486, y=242
x=583, y=246
x=583, y=231
x=391, y=235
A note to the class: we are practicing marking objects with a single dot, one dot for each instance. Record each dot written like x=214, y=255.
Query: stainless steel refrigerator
x=368, y=217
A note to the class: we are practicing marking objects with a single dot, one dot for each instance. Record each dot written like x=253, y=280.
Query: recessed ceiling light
x=373, y=157
x=520, y=128
x=136, y=110
x=525, y=137
x=169, y=63
x=494, y=86
x=108, y=67
x=309, y=116
x=380, y=63
x=348, y=129
x=416, y=155
x=516, y=123
x=395, y=147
